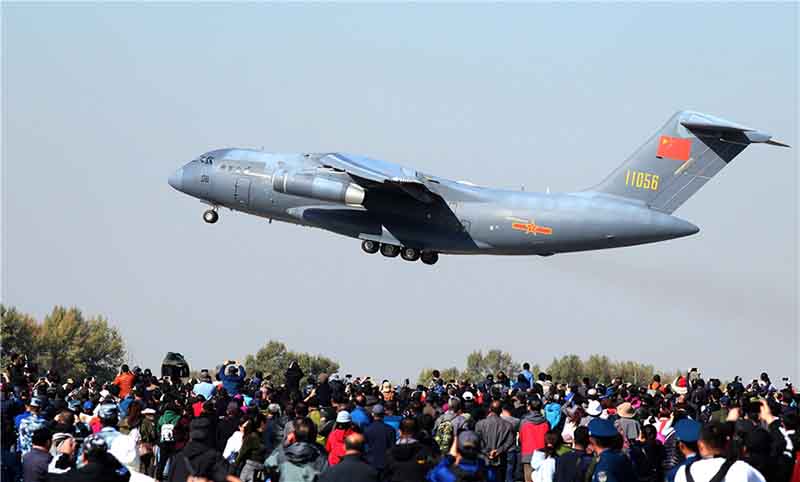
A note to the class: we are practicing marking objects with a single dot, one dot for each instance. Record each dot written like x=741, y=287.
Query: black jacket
x=107, y=470
x=380, y=437
x=407, y=462
x=200, y=460
x=352, y=468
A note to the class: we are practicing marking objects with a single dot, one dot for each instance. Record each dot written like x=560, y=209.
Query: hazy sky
x=101, y=102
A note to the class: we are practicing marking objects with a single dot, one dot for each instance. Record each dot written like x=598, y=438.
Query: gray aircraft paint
x=400, y=206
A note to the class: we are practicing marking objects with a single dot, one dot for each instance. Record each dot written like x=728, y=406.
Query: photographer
x=232, y=376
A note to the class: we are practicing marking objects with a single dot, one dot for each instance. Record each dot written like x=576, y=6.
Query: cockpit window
x=206, y=159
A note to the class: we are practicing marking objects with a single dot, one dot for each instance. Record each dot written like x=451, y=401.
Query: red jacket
x=531, y=435
x=335, y=445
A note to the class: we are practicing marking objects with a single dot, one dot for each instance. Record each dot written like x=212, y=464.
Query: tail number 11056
x=641, y=180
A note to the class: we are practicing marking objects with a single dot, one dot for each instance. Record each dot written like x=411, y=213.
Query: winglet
x=704, y=123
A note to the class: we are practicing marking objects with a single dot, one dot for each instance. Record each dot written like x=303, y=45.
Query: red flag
x=674, y=148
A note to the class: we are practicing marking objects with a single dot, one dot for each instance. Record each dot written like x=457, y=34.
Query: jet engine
x=312, y=185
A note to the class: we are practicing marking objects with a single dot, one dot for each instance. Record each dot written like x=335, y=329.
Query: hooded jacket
x=407, y=462
x=532, y=429
x=299, y=462
x=201, y=460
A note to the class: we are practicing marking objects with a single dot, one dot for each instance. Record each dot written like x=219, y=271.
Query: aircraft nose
x=176, y=179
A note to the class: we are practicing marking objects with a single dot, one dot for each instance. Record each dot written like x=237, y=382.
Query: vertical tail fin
x=679, y=159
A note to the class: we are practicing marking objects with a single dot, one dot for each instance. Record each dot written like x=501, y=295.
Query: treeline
x=66, y=341
x=274, y=358
x=569, y=368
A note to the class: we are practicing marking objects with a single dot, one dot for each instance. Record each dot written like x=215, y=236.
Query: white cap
x=343, y=417
x=468, y=396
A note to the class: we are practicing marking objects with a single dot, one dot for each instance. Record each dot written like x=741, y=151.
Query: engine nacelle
x=308, y=184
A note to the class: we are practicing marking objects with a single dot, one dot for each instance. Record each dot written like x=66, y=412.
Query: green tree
x=77, y=347
x=274, y=358
x=598, y=368
x=18, y=332
x=479, y=365
x=426, y=375
x=568, y=368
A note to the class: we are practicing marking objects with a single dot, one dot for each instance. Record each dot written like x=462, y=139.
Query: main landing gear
x=392, y=251
x=211, y=216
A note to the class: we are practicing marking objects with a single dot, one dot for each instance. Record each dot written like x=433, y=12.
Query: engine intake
x=307, y=184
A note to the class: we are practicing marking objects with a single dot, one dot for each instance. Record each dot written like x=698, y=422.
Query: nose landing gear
x=210, y=216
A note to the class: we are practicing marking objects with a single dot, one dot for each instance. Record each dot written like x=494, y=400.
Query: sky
x=101, y=102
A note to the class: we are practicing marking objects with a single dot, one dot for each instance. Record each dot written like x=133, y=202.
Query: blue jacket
x=232, y=383
x=613, y=466
x=360, y=417
x=444, y=472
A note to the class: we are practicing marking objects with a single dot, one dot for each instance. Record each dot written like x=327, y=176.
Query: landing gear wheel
x=390, y=250
x=410, y=254
x=210, y=216
x=370, y=247
x=430, y=257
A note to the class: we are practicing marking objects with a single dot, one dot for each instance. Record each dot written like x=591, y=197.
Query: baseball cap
x=107, y=410
x=468, y=396
x=74, y=405
x=87, y=405
x=594, y=409
x=469, y=444
x=148, y=411
x=687, y=430
x=36, y=402
x=95, y=443
x=377, y=409
x=602, y=428
x=343, y=417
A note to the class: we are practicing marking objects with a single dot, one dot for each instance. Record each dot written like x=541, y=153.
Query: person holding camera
x=232, y=376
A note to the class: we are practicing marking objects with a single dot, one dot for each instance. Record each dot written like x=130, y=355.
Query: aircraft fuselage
x=462, y=219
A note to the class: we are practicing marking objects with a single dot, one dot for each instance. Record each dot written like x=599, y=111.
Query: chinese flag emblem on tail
x=674, y=148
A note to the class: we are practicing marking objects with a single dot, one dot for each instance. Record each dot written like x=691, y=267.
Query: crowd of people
x=228, y=425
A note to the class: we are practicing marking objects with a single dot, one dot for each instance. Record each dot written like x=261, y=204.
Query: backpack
x=168, y=432
x=444, y=435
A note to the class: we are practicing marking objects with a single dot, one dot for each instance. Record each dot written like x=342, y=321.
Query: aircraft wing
x=377, y=174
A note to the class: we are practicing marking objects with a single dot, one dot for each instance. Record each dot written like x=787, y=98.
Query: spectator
x=335, y=445
x=408, y=460
x=303, y=460
x=198, y=458
x=352, y=467
x=463, y=462
x=63, y=452
x=124, y=381
x=379, y=437
x=687, y=432
x=573, y=465
x=713, y=464
x=28, y=425
x=612, y=465
x=204, y=386
x=497, y=439
x=543, y=462
x=532, y=430
x=98, y=465
x=36, y=460
x=359, y=414
x=232, y=375
x=253, y=452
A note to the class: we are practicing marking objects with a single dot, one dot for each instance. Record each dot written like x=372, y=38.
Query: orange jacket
x=125, y=382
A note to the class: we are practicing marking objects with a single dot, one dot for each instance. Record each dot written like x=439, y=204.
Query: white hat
x=148, y=411
x=343, y=417
x=468, y=396
x=594, y=409
x=591, y=392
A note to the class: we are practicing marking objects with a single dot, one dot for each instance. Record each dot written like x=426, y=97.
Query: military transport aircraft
x=400, y=211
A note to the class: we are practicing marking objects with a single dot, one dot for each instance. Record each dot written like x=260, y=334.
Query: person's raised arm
x=242, y=372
